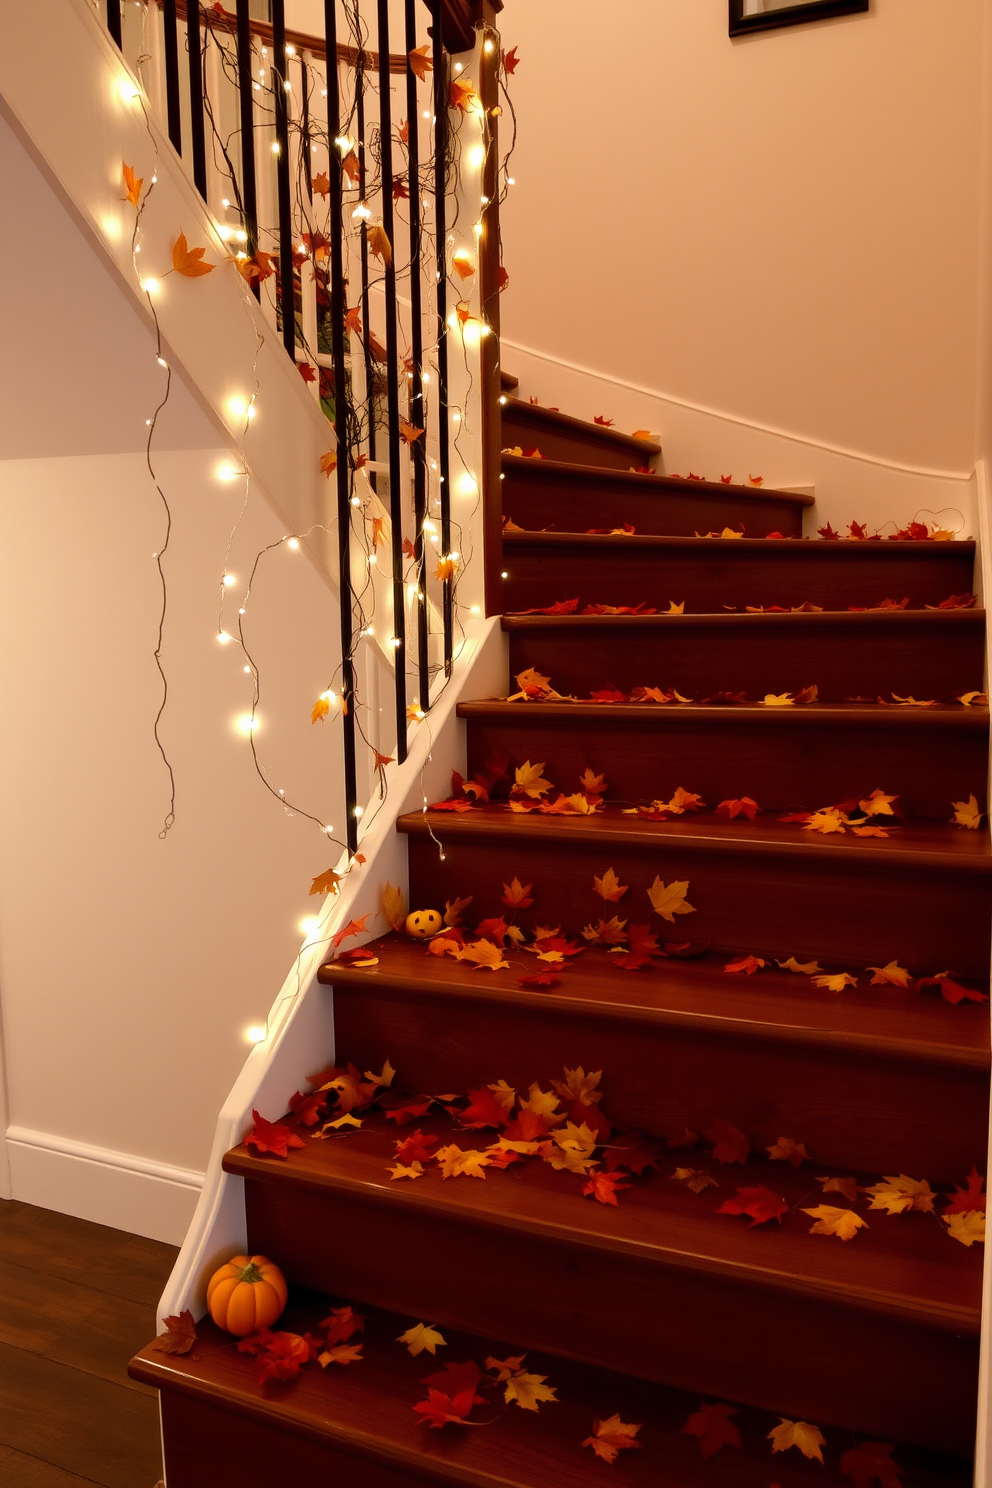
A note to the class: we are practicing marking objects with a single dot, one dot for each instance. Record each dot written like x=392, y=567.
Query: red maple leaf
x=970, y=1197
x=759, y=1203
x=306, y=372
x=510, y=61
x=606, y=423
x=871, y=1463
x=281, y=1356
x=439, y=1408
x=828, y=533
x=951, y=991
x=341, y=1324
x=272, y=1136
x=354, y=927
x=179, y=1336
x=608, y=695
x=633, y=1151
x=729, y=1144
x=746, y=964
x=410, y=1110
x=542, y=979
x=484, y=1110
x=713, y=1428
x=744, y=806
x=560, y=607
x=528, y=1127
x=415, y=1148
x=305, y=1107
x=604, y=1187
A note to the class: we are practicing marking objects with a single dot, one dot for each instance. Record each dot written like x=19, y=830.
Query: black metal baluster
x=418, y=449
x=366, y=331
x=305, y=130
x=246, y=99
x=338, y=306
x=197, y=133
x=441, y=233
x=392, y=378
x=287, y=289
x=114, y=21
x=172, y=75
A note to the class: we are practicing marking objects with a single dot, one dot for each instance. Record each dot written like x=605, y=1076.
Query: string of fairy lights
x=311, y=226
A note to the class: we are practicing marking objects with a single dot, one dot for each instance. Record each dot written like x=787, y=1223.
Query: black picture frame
x=791, y=15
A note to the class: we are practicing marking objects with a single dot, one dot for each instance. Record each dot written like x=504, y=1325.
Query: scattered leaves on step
x=415, y=1147
x=420, y=1337
x=695, y=1179
x=846, y=1186
x=891, y=975
x=778, y=700
x=379, y=243
x=609, y=887
x=521, y=1387
x=901, y=1194
x=747, y=965
x=180, y=1329
x=669, y=900
x=729, y=1144
x=528, y=780
x=189, y=261
x=394, y=907
x=801, y=968
x=835, y=982
x=454, y=909
x=712, y=1427
x=809, y=1439
x=132, y=184
x=967, y=1227
x=967, y=814
x=484, y=956
x=828, y=819
x=831, y=1220
x=908, y=702
x=456, y=1162
x=759, y=1203
x=954, y=602
x=871, y=1462
x=611, y=1437
x=272, y=1137
x=788, y=1150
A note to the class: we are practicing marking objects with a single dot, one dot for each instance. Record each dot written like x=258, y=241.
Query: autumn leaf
x=900, y=1195
x=522, y=1388
x=968, y=1198
x=189, y=261
x=346, y=1120
x=973, y=699
x=320, y=709
x=353, y=927
x=695, y=1179
x=760, y=1204
x=132, y=184
x=510, y=61
x=604, y=1187
x=352, y=169
x=458, y=1162
x=747, y=964
x=180, y=1330
x=668, y=901
x=745, y=806
x=322, y=183
x=713, y=1428
x=420, y=1337
x=878, y=804
x=486, y=1108
x=447, y=567
x=787, y=1150
x=835, y=983
x=846, y=1186
x=272, y=1136
x=409, y=432
x=517, y=895
x=454, y=909
x=778, y=700
x=843, y=1223
x=809, y=1439
x=402, y=1170
x=464, y=266
x=892, y=975
x=462, y=94
x=966, y=1228
x=612, y=1436
x=379, y=243
x=281, y=1356
x=828, y=819
x=871, y=1463
x=609, y=887
x=307, y=372
x=420, y=62
x=484, y=956
x=684, y=800
x=801, y=968
x=341, y=1353
x=326, y=883
x=394, y=906
x=967, y=814
x=729, y=1144
x=950, y=990
x=529, y=781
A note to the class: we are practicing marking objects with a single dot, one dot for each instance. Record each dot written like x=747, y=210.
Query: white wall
x=131, y=967
x=783, y=228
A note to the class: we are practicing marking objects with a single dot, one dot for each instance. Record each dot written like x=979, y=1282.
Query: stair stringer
x=301, y=1020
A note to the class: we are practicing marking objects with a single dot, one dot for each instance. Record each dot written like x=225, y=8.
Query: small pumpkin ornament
x=247, y=1294
x=423, y=924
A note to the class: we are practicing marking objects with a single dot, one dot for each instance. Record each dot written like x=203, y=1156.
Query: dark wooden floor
x=76, y=1301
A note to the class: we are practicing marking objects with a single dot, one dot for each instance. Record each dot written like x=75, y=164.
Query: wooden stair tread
x=919, y=845
x=611, y=543
x=949, y=716
x=508, y=382
x=903, y=1266
x=538, y=418
x=699, y=995
x=367, y=1408
x=884, y=620
x=563, y=470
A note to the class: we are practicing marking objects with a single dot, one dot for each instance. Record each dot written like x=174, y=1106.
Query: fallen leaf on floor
x=801, y=968
x=967, y=814
x=340, y=1353
x=604, y=1187
x=669, y=900
x=967, y=1227
x=729, y=1144
x=695, y=1179
x=835, y=982
x=420, y=1337
x=788, y=1150
x=272, y=1137
x=831, y=1220
x=747, y=964
x=846, y=1186
x=809, y=1439
x=968, y=1198
x=901, y=1194
x=713, y=1428
x=892, y=975
x=760, y=1204
x=612, y=1436
x=743, y=806
x=973, y=699
x=400, y=1170
x=180, y=1330
x=456, y=1162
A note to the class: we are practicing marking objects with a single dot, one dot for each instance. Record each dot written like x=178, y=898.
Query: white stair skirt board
x=129, y=1193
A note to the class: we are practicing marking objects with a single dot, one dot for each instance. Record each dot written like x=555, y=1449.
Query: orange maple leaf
x=747, y=964
x=787, y=1150
x=409, y=432
x=132, y=183
x=189, y=261
x=326, y=883
x=760, y=1204
x=612, y=1436
x=462, y=94
x=379, y=243
x=420, y=62
x=321, y=183
x=609, y=887
x=328, y=462
x=517, y=895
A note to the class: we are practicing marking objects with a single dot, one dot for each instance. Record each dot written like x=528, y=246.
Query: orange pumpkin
x=247, y=1294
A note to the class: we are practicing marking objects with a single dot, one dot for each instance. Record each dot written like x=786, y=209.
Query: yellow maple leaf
x=414, y=1170
x=385, y=1078
x=346, y=1120
x=967, y=814
x=571, y=1148
x=530, y=781
x=967, y=1227
x=341, y=1353
x=420, y=1337
x=527, y=1390
x=835, y=983
x=484, y=956
x=683, y=801
x=328, y=463
x=612, y=1436
x=609, y=886
x=973, y=699
x=788, y=1150
x=695, y=1178
x=379, y=243
x=541, y=1102
x=531, y=677
x=801, y=968
x=580, y=1087
x=809, y=1439
x=846, y=1186
x=132, y=183
x=321, y=708
x=778, y=700
x=394, y=906
x=675, y=609
x=515, y=934
x=901, y=1194
x=503, y=1368
x=458, y=1162
x=454, y=909
x=446, y=569
x=593, y=785
x=911, y=702
x=878, y=804
x=503, y=1093
x=843, y=1223
x=829, y=819
x=670, y=900
x=892, y=975
x=326, y=883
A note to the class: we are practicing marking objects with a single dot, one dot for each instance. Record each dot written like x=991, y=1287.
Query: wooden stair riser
x=529, y=426
x=861, y=1113
x=803, y=1356
x=922, y=656
x=842, y=911
x=798, y=761
x=650, y=503
x=709, y=578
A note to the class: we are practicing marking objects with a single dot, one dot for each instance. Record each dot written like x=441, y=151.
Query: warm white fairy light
x=247, y=724
x=128, y=90
x=361, y=213
x=293, y=542
x=476, y=609
x=476, y=156
x=466, y=484
x=487, y=47
x=229, y=581
x=255, y=1034
x=241, y=408
x=227, y=471
x=223, y=638
x=309, y=925
x=150, y=286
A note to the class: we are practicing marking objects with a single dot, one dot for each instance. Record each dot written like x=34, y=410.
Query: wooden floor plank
x=75, y=1250
x=18, y=1470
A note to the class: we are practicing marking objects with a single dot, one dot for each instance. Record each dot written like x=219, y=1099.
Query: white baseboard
x=136, y=1194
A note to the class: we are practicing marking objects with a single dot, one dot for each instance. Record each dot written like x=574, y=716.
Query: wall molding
x=733, y=418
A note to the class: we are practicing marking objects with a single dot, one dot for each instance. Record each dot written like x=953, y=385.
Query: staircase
x=652, y=1306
